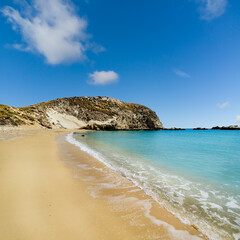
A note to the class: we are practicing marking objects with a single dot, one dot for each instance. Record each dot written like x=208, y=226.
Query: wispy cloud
x=96, y=48
x=223, y=105
x=181, y=73
x=211, y=9
x=238, y=118
x=51, y=28
x=103, y=77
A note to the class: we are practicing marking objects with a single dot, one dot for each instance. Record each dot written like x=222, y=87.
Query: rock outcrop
x=96, y=113
x=200, y=128
x=174, y=129
x=232, y=127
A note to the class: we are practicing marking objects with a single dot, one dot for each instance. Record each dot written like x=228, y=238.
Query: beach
x=42, y=199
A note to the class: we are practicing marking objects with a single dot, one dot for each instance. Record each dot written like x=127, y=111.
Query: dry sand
x=40, y=198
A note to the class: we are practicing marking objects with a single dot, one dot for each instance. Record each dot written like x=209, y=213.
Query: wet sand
x=52, y=190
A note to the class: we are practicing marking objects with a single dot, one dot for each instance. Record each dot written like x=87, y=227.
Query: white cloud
x=223, y=105
x=181, y=73
x=211, y=9
x=103, y=77
x=51, y=28
x=238, y=118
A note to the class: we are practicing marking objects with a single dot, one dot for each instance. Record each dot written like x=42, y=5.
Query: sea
x=194, y=174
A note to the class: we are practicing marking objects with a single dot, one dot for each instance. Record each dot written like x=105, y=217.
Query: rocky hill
x=97, y=113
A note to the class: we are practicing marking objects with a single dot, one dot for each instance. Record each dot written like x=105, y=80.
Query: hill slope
x=97, y=113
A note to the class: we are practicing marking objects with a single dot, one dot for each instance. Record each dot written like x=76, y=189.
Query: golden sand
x=45, y=198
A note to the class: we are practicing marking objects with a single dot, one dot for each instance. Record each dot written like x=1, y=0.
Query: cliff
x=97, y=113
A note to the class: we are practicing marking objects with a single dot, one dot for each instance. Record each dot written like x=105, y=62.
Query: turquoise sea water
x=194, y=174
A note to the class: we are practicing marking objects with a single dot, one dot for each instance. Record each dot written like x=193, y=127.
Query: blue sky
x=179, y=57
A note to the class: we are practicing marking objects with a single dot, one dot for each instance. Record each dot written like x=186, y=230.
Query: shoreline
x=44, y=198
x=85, y=166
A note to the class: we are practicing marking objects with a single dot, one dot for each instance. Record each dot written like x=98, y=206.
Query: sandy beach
x=45, y=196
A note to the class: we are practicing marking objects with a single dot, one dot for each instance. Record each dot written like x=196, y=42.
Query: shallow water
x=195, y=174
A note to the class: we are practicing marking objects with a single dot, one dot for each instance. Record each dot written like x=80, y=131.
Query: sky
x=181, y=58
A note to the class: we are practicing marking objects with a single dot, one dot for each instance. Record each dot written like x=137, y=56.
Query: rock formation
x=174, y=129
x=232, y=127
x=96, y=113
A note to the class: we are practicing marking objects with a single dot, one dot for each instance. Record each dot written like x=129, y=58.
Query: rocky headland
x=95, y=113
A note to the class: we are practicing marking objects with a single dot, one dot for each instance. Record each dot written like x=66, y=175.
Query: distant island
x=174, y=129
x=232, y=127
x=200, y=128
